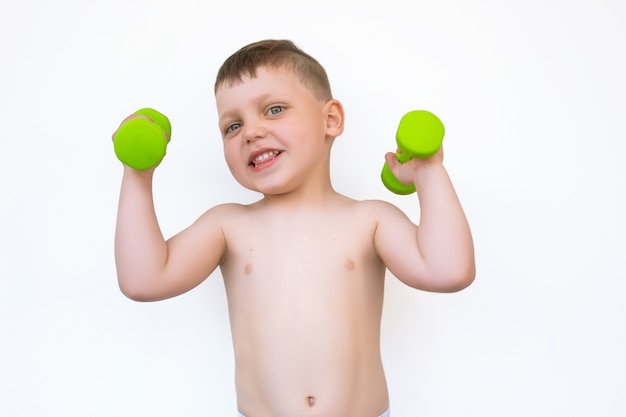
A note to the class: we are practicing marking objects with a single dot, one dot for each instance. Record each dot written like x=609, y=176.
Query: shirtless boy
x=304, y=266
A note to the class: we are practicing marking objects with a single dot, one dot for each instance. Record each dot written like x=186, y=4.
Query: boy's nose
x=253, y=131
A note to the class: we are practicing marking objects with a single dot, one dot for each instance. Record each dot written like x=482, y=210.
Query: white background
x=532, y=94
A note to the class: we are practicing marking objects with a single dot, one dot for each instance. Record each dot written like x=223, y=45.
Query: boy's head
x=274, y=54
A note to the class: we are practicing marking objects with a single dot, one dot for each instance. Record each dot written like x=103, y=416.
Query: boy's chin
x=269, y=190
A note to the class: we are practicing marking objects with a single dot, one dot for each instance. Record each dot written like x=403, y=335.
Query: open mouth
x=263, y=158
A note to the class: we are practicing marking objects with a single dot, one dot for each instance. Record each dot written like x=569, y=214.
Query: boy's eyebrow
x=234, y=113
x=227, y=115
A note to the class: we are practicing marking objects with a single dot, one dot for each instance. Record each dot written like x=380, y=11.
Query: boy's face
x=277, y=134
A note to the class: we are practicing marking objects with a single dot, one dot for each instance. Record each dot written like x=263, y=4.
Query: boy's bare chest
x=317, y=248
x=298, y=267
x=301, y=242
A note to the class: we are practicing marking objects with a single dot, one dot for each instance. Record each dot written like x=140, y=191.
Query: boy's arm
x=148, y=267
x=439, y=254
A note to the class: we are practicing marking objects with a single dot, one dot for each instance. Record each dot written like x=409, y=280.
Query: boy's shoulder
x=369, y=210
x=376, y=205
x=354, y=208
x=221, y=212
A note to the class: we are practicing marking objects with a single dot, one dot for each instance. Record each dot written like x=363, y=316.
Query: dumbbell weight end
x=141, y=143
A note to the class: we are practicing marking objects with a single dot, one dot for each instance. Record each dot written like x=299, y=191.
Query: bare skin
x=304, y=266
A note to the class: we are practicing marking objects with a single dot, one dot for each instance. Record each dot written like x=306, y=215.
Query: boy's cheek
x=235, y=162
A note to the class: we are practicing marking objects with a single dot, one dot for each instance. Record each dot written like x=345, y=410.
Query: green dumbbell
x=419, y=135
x=141, y=143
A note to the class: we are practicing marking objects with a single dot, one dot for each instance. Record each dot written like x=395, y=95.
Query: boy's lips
x=263, y=157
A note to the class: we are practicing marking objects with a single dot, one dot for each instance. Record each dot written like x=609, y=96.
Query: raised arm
x=437, y=255
x=150, y=268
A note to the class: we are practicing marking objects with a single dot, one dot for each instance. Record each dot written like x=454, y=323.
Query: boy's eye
x=232, y=127
x=275, y=109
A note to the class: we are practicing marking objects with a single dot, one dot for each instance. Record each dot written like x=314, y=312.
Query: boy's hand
x=131, y=117
x=407, y=173
x=140, y=141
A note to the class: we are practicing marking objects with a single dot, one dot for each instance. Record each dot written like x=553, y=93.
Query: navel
x=310, y=401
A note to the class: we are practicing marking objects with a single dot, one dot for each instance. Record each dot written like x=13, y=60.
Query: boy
x=304, y=266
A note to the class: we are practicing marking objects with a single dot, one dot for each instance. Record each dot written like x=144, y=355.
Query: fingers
x=136, y=116
x=391, y=160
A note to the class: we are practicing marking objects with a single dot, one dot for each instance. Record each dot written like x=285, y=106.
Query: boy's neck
x=304, y=197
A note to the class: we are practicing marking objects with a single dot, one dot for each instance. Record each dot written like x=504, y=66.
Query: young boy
x=304, y=266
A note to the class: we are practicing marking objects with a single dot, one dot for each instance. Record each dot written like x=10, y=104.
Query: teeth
x=265, y=155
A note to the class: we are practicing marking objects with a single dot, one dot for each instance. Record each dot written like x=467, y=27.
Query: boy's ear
x=334, y=118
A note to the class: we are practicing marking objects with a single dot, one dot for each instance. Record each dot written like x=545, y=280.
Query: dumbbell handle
x=419, y=135
x=141, y=143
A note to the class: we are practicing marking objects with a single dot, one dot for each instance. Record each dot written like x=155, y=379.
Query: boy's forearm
x=444, y=235
x=140, y=249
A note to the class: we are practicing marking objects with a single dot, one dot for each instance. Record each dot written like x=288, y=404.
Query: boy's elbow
x=441, y=281
x=133, y=295
x=134, y=291
x=461, y=279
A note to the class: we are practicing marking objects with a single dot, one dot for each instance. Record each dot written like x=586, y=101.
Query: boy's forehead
x=265, y=82
x=262, y=71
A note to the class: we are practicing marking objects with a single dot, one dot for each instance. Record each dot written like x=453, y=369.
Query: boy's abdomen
x=311, y=356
